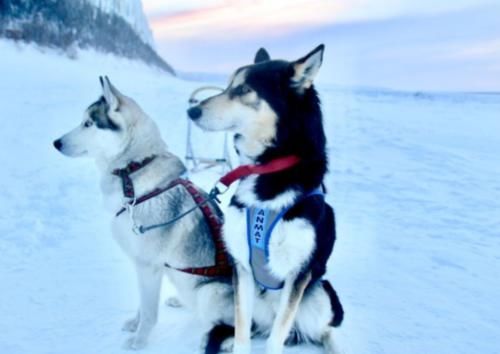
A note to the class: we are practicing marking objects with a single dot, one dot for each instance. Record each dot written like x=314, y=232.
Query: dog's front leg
x=149, y=280
x=244, y=292
x=291, y=297
x=132, y=324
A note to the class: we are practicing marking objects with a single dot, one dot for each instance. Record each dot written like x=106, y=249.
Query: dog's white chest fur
x=290, y=247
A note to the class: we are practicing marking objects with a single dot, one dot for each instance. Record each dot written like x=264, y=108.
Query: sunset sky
x=401, y=44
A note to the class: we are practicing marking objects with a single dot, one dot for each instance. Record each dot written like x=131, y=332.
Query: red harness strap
x=124, y=174
x=150, y=195
x=276, y=165
x=222, y=265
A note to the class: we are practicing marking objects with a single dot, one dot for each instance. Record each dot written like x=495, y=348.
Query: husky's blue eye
x=88, y=123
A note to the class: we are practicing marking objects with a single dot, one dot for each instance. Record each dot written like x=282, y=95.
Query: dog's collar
x=276, y=165
x=124, y=174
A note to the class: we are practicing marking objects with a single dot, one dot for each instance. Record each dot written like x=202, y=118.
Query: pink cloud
x=258, y=16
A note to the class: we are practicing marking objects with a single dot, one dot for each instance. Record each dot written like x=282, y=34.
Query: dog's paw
x=242, y=348
x=227, y=346
x=135, y=343
x=273, y=347
x=173, y=301
x=131, y=325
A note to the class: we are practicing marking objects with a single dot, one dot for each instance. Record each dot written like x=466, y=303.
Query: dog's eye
x=242, y=90
x=245, y=89
x=88, y=123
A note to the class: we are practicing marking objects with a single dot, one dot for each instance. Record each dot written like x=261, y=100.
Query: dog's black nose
x=58, y=144
x=194, y=112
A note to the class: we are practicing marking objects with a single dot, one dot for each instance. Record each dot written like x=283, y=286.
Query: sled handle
x=192, y=99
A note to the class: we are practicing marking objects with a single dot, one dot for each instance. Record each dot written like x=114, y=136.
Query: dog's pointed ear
x=261, y=55
x=306, y=68
x=110, y=93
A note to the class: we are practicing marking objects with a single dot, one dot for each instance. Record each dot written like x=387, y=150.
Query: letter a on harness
x=260, y=225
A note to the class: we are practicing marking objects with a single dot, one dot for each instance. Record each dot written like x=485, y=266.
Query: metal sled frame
x=202, y=162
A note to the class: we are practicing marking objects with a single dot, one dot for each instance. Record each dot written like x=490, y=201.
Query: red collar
x=276, y=165
x=124, y=174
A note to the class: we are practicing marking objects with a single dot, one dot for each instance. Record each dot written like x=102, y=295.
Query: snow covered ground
x=414, y=181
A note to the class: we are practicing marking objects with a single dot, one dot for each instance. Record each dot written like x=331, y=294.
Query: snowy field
x=414, y=181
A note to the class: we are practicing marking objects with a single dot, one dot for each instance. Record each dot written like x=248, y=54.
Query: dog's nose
x=194, y=112
x=58, y=144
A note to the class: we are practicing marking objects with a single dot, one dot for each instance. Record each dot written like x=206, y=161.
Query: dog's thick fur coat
x=274, y=110
x=115, y=131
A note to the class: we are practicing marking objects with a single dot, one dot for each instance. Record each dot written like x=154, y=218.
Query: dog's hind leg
x=319, y=312
x=338, y=316
x=291, y=297
x=328, y=342
x=149, y=279
x=219, y=340
x=215, y=308
x=244, y=293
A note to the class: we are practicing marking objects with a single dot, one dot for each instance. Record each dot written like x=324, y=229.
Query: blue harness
x=260, y=225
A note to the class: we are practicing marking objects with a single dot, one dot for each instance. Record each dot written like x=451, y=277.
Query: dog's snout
x=194, y=112
x=58, y=144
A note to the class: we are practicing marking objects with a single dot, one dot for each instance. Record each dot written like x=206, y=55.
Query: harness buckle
x=137, y=229
x=219, y=188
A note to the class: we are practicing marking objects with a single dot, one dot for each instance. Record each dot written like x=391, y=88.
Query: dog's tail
x=217, y=335
x=338, y=310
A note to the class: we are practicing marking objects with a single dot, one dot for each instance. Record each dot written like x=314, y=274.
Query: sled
x=195, y=160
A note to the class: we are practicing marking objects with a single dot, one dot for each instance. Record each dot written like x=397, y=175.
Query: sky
x=436, y=45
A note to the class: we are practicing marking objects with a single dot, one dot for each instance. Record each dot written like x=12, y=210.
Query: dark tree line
x=67, y=23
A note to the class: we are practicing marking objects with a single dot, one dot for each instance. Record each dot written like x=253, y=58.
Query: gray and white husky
x=115, y=131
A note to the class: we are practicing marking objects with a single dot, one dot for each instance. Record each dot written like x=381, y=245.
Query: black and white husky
x=274, y=109
x=116, y=132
